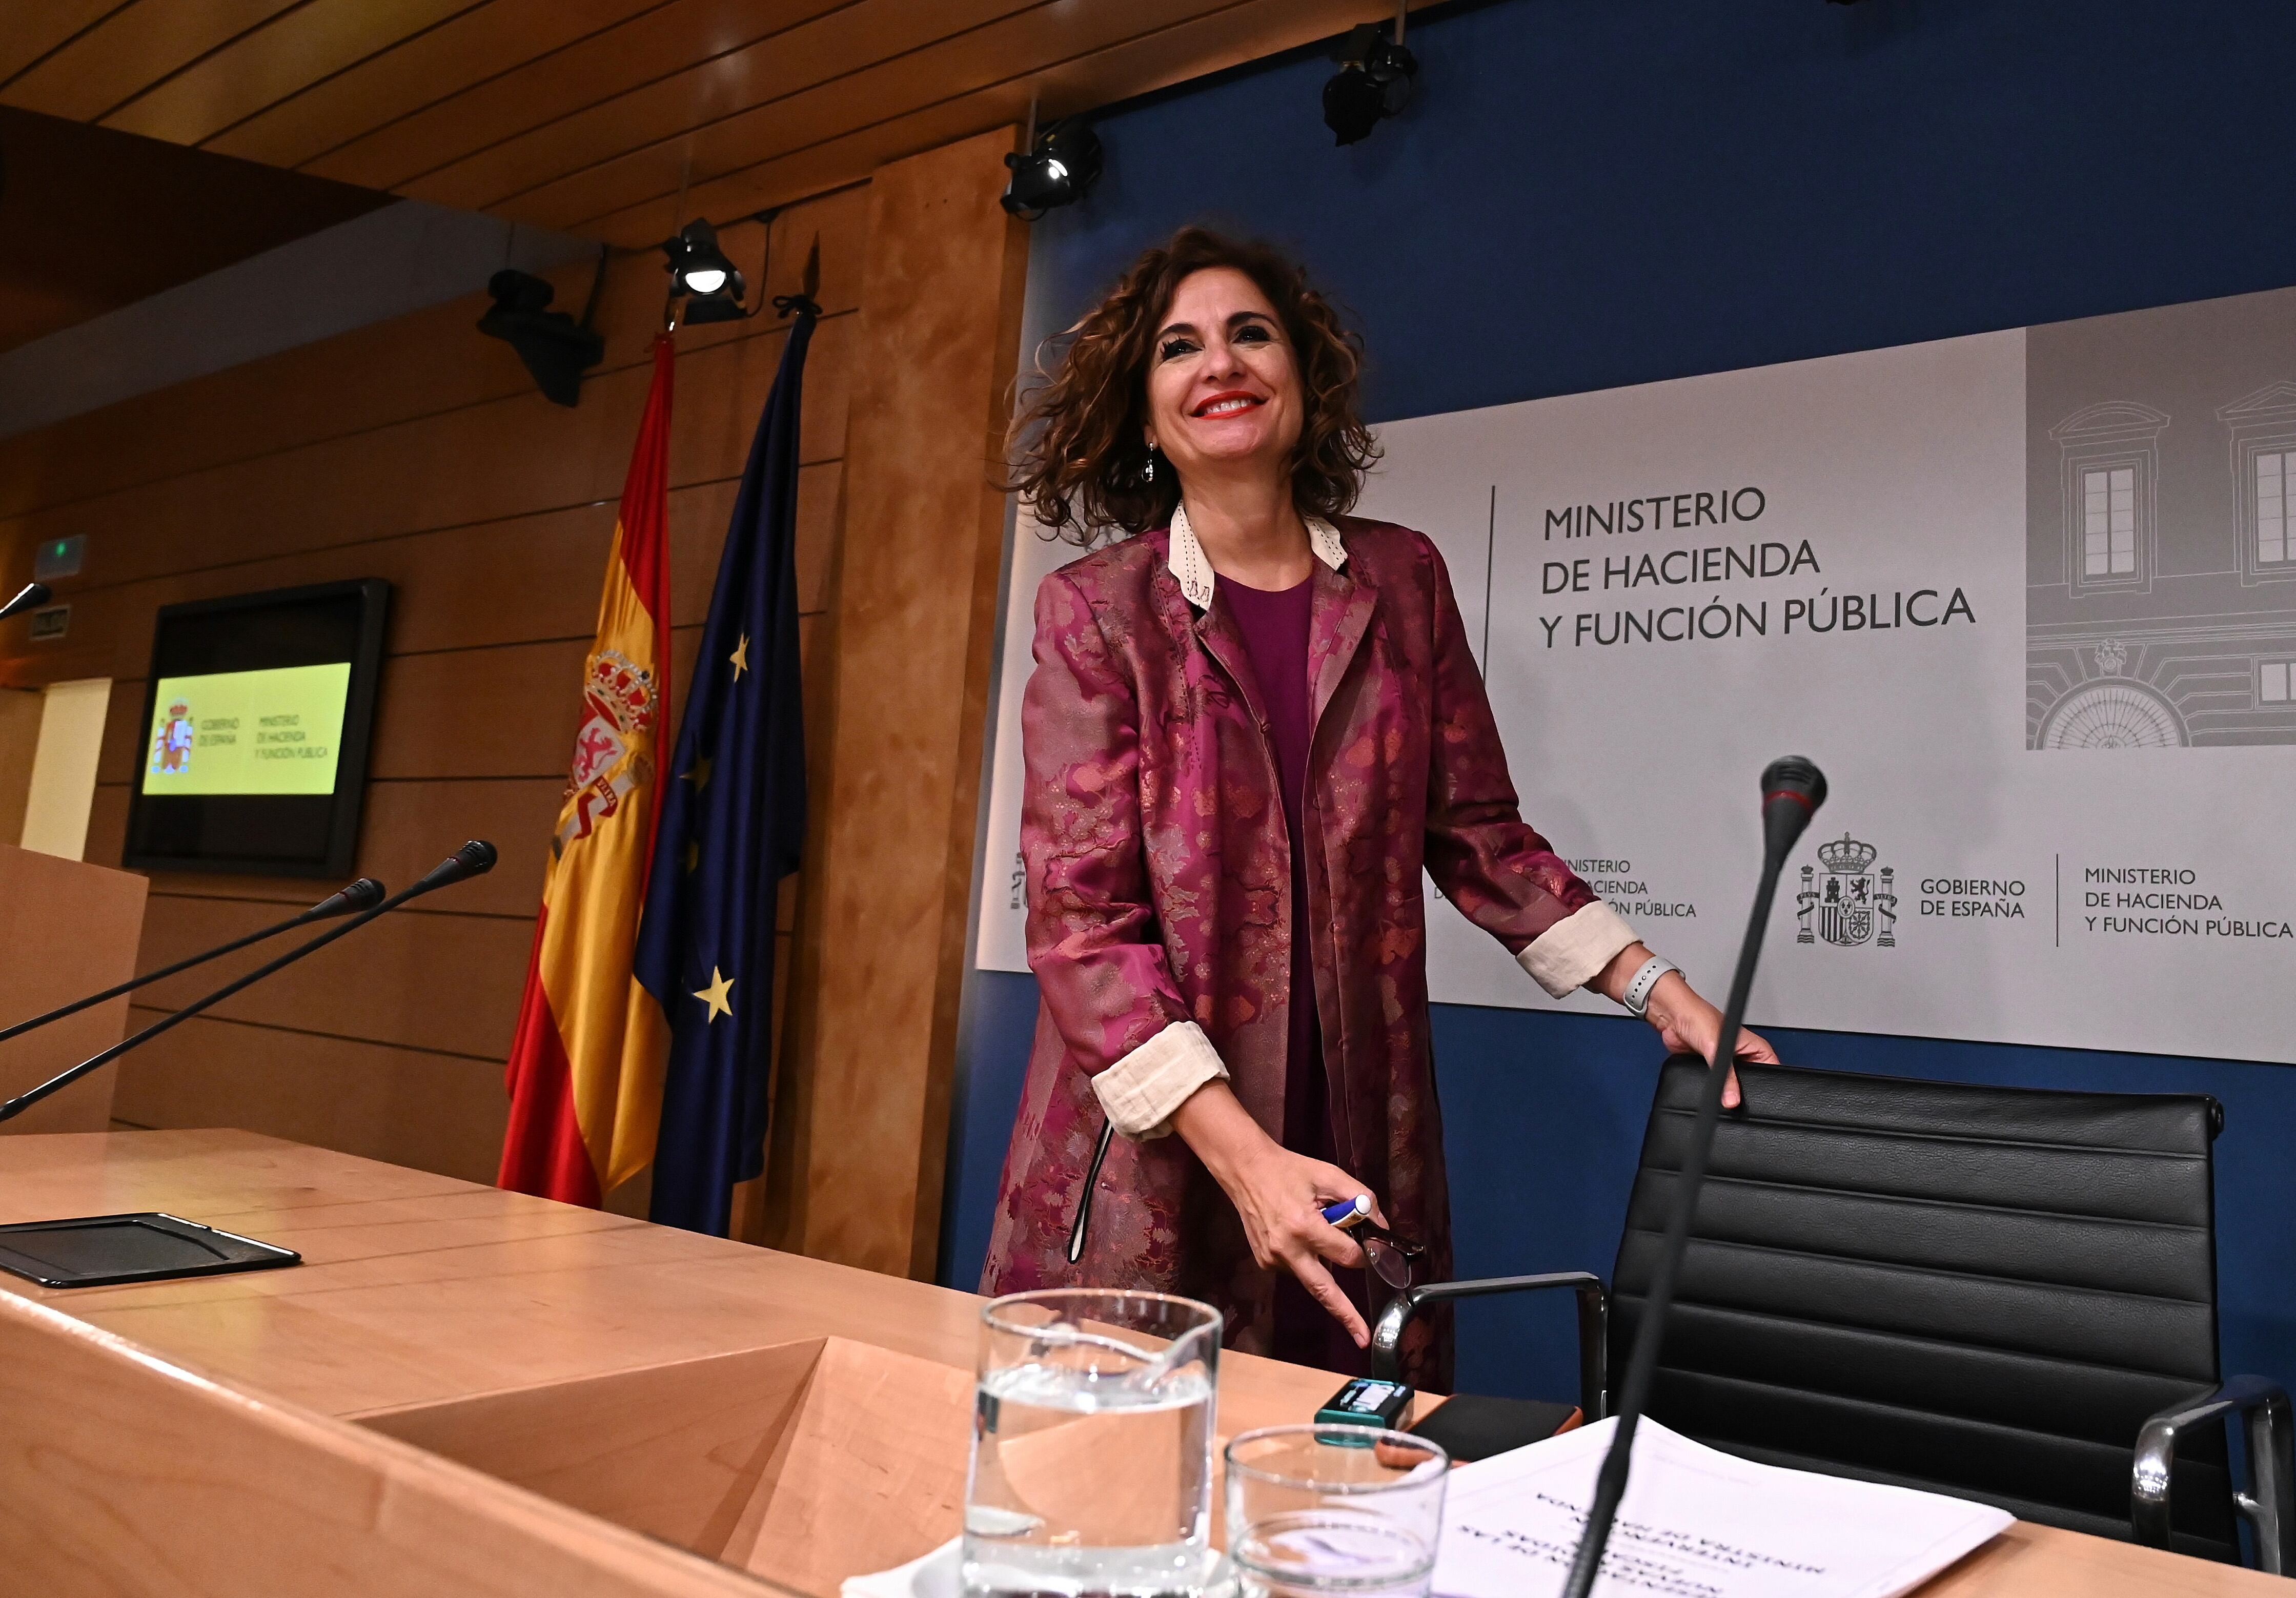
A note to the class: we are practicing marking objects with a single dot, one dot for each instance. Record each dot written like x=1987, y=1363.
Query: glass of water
x=1316, y=1511
x=1092, y=1446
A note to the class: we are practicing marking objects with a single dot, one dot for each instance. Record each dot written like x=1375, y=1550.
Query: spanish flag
x=580, y=1123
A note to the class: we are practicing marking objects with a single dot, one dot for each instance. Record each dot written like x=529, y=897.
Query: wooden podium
x=66, y=929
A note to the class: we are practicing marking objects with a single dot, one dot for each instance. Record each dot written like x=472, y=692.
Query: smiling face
x=1224, y=391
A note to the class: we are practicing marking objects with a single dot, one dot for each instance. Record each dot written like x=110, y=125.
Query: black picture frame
x=232, y=637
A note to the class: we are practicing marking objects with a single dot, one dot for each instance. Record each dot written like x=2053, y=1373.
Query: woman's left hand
x=1691, y=1026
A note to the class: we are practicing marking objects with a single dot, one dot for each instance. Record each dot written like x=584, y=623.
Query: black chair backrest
x=1970, y=1290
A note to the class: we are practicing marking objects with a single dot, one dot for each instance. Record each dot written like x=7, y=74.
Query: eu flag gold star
x=741, y=657
x=700, y=775
x=716, y=995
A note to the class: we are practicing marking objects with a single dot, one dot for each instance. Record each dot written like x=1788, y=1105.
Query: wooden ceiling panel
x=1168, y=56
x=1003, y=59
x=420, y=74
x=793, y=176
x=34, y=30
x=650, y=131
x=655, y=42
x=308, y=43
x=131, y=50
x=1078, y=58
x=596, y=114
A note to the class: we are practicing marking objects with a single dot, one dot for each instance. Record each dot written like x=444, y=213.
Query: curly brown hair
x=1080, y=457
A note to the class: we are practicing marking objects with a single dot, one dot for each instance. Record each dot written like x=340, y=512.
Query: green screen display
x=247, y=731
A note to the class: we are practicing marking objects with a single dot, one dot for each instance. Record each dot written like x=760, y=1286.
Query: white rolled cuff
x=1141, y=1091
x=1569, y=953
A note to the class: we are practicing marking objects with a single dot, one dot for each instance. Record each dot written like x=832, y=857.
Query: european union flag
x=732, y=826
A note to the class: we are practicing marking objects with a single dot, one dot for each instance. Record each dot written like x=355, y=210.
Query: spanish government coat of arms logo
x=1850, y=900
x=609, y=755
x=171, y=750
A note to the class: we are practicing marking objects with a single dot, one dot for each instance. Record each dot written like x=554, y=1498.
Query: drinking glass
x=1092, y=1446
x=1314, y=1510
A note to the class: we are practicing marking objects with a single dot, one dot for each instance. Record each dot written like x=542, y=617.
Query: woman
x=1252, y=723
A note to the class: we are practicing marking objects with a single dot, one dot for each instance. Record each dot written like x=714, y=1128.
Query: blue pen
x=1348, y=1212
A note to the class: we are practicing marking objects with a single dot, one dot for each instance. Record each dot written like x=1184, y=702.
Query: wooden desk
x=419, y=1290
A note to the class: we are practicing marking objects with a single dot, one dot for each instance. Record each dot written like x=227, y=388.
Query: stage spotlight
x=1375, y=80
x=556, y=348
x=700, y=271
x=1062, y=164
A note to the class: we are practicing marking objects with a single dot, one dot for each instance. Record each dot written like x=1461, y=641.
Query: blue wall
x=1596, y=192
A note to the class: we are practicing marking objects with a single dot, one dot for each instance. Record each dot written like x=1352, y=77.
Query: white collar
x=1194, y=571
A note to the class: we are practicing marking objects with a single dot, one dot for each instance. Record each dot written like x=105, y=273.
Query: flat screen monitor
x=256, y=720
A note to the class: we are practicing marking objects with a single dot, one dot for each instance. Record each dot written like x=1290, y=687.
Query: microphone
x=28, y=596
x=1792, y=789
x=365, y=893
x=474, y=858
x=360, y=895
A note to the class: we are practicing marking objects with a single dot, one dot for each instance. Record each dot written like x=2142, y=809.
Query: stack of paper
x=1695, y=1523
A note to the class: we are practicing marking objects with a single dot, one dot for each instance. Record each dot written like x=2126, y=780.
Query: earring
x=1149, y=474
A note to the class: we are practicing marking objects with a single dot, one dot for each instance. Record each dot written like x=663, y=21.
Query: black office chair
x=2000, y=1293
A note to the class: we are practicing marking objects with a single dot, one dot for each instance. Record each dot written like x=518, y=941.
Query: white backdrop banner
x=2028, y=598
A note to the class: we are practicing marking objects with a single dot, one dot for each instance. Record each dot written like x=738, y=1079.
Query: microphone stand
x=472, y=860
x=1792, y=789
x=360, y=895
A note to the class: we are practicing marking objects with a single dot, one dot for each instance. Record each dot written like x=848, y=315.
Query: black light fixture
x=556, y=349
x=1062, y=164
x=1375, y=80
x=700, y=271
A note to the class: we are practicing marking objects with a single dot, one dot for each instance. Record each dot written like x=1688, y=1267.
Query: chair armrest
x=1594, y=1325
x=2263, y=1408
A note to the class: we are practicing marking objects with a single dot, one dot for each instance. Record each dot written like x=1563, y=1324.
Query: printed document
x=1695, y=1523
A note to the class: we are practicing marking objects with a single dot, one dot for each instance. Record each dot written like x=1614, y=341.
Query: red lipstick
x=1221, y=399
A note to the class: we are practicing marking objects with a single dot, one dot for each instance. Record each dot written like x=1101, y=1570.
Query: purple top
x=1274, y=627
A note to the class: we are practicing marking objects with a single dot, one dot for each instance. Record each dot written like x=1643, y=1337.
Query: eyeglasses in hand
x=1391, y=1259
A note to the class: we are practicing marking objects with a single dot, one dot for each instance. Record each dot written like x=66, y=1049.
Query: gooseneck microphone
x=474, y=858
x=30, y=595
x=1792, y=789
x=361, y=894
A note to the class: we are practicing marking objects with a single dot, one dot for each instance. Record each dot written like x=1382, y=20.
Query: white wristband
x=1636, y=997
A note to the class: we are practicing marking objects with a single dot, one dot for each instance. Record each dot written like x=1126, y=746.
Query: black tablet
x=102, y=1250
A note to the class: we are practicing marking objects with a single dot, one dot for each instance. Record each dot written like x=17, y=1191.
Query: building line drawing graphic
x=2160, y=600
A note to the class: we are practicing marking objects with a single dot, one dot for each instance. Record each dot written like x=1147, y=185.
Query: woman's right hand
x=1280, y=1197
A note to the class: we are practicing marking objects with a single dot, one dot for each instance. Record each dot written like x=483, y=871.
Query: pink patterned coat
x=1158, y=884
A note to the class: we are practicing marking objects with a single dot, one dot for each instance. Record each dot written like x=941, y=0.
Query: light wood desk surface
x=417, y=1288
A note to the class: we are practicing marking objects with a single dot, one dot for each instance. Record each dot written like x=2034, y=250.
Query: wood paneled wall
x=417, y=451
x=862, y=1138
